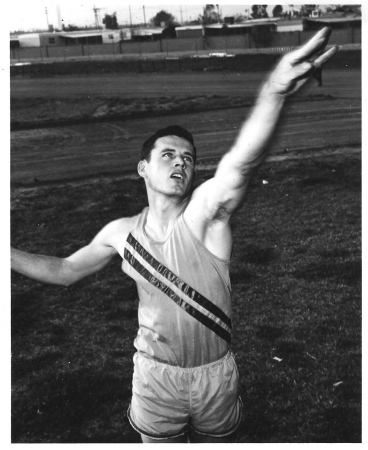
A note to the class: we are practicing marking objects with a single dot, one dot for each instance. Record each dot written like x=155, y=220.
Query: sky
x=29, y=15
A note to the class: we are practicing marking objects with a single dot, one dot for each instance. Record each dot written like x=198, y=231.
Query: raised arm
x=231, y=179
x=84, y=262
x=213, y=202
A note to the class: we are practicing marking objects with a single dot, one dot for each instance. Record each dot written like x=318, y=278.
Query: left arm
x=229, y=185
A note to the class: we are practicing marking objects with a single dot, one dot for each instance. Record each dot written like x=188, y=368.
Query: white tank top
x=184, y=296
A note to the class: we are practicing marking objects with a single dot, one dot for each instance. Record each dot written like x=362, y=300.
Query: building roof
x=269, y=19
x=146, y=31
x=189, y=27
x=333, y=19
x=246, y=24
x=80, y=35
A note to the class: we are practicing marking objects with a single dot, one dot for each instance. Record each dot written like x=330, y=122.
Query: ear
x=142, y=168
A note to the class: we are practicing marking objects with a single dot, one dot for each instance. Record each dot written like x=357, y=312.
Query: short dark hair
x=172, y=130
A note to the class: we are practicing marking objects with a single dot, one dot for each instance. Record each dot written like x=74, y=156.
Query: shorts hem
x=224, y=433
x=155, y=436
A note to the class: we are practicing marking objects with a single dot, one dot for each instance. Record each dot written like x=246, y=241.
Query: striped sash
x=187, y=298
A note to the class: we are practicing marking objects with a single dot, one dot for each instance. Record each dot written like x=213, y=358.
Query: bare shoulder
x=124, y=225
x=114, y=234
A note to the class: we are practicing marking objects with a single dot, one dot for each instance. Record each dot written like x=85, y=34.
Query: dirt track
x=317, y=119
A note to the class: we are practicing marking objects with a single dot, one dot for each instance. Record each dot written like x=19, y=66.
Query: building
x=191, y=31
x=146, y=34
x=40, y=39
x=63, y=38
x=284, y=26
x=219, y=29
x=81, y=37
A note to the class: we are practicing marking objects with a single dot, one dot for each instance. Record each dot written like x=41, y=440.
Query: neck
x=162, y=213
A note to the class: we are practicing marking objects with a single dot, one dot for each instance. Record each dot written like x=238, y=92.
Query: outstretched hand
x=296, y=67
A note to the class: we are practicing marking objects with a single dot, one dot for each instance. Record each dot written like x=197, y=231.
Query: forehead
x=173, y=143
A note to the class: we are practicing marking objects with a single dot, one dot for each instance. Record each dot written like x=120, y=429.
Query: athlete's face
x=171, y=167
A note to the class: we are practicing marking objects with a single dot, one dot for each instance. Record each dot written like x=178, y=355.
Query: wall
x=286, y=39
x=229, y=42
x=185, y=34
x=115, y=36
x=45, y=39
x=29, y=40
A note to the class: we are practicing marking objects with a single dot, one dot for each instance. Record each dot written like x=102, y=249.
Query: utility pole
x=59, y=17
x=144, y=15
x=130, y=14
x=47, y=19
x=181, y=15
x=95, y=10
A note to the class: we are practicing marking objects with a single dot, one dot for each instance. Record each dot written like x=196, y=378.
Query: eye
x=188, y=158
x=167, y=154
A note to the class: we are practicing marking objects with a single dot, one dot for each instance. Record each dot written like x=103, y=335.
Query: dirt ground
x=66, y=128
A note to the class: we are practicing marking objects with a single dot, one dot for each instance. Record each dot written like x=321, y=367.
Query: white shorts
x=168, y=400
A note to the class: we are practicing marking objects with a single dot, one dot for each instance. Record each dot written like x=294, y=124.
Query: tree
x=163, y=16
x=254, y=12
x=209, y=15
x=238, y=18
x=70, y=27
x=264, y=13
x=277, y=11
x=169, y=31
x=259, y=12
x=352, y=9
x=306, y=10
x=110, y=22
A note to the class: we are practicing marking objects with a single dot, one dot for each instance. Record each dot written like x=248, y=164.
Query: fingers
x=325, y=57
x=311, y=48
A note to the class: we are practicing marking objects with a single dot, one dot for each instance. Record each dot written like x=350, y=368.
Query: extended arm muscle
x=65, y=271
x=234, y=170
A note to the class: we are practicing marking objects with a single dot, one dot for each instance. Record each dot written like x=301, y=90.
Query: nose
x=179, y=162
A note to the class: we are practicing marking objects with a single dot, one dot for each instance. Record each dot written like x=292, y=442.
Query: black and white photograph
x=185, y=223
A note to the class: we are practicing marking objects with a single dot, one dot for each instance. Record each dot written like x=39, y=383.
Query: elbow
x=67, y=276
x=66, y=283
x=67, y=279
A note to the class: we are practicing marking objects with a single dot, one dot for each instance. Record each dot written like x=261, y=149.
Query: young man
x=185, y=382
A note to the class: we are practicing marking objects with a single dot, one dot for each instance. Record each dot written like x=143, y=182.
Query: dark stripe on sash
x=174, y=279
x=202, y=318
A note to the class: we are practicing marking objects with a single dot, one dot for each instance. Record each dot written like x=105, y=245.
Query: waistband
x=229, y=355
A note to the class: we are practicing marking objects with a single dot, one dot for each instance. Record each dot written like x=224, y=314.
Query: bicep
x=91, y=258
x=220, y=196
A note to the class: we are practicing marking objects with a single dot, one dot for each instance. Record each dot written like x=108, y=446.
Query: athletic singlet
x=184, y=293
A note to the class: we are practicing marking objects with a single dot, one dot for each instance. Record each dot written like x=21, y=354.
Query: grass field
x=296, y=276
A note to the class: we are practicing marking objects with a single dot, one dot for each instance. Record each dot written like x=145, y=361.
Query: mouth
x=177, y=176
